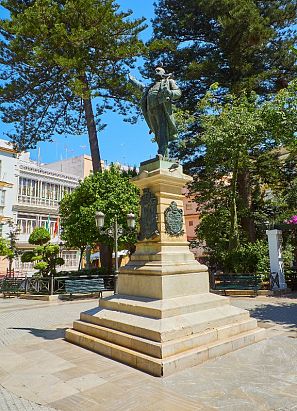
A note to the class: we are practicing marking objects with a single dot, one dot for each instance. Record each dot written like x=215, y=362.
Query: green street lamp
x=115, y=231
x=99, y=218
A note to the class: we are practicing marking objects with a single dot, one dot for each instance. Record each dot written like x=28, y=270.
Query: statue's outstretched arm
x=136, y=82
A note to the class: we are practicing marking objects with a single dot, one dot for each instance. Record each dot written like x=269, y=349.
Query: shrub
x=248, y=258
x=39, y=236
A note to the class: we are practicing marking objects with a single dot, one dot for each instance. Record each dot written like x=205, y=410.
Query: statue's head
x=159, y=72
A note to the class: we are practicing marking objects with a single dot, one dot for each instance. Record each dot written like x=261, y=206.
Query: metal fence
x=52, y=285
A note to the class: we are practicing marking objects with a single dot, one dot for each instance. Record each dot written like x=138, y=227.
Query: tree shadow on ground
x=45, y=334
x=281, y=313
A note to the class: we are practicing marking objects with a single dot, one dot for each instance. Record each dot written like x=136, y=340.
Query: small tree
x=45, y=256
x=235, y=158
x=39, y=236
x=3, y=246
x=110, y=192
x=12, y=251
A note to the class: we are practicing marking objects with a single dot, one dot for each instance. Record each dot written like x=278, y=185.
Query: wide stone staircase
x=163, y=336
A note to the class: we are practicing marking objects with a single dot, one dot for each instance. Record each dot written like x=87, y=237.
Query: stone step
x=157, y=349
x=169, y=365
x=165, y=329
x=156, y=308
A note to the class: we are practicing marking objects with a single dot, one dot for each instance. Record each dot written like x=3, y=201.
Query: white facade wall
x=31, y=196
x=39, y=191
x=8, y=185
x=74, y=166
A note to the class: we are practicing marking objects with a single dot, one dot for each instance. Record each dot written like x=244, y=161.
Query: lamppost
x=115, y=231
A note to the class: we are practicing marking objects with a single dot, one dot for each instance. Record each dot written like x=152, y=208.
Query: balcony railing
x=43, y=202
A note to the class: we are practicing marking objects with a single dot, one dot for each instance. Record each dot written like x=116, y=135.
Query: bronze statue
x=156, y=106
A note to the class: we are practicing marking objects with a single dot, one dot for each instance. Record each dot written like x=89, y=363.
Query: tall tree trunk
x=82, y=249
x=234, y=235
x=91, y=126
x=245, y=196
x=88, y=257
x=105, y=255
x=92, y=132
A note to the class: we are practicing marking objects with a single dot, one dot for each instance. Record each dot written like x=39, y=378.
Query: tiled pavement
x=11, y=402
x=41, y=371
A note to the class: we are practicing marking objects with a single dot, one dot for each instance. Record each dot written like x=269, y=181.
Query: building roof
x=6, y=147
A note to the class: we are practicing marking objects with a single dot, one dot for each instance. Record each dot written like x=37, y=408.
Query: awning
x=96, y=256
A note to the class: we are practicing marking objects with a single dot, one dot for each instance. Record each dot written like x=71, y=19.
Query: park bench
x=86, y=286
x=231, y=282
x=11, y=286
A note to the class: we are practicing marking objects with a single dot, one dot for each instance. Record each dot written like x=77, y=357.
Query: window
x=26, y=223
x=189, y=206
x=191, y=223
x=70, y=258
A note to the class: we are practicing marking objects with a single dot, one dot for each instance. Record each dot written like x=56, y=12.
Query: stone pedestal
x=276, y=260
x=163, y=318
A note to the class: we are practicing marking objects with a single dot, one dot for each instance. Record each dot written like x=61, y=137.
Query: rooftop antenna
x=56, y=144
x=38, y=156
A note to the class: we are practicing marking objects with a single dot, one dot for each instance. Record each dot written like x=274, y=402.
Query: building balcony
x=37, y=201
x=23, y=238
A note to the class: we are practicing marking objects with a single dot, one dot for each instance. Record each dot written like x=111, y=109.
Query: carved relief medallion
x=148, y=218
x=174, y=220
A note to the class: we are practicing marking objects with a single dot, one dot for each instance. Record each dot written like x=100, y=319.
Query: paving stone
x=41, y=371
x=11, y=402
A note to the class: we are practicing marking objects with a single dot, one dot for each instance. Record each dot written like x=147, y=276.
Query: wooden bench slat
x=237, y=282
x=84, y=286
x=10, y=286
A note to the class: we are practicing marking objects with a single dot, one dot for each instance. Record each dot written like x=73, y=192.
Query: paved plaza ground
x=40, y=371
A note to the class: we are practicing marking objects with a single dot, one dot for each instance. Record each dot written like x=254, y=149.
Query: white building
x=29, y=196
x=80, y=166
x=8, y=160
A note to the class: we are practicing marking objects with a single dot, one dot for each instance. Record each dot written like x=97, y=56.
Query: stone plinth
x=276, y=260
x=163, y=318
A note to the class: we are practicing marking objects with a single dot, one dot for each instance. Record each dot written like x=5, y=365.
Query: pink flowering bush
x=293, y=220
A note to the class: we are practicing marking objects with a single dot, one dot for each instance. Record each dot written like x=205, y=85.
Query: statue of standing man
x=156, y=106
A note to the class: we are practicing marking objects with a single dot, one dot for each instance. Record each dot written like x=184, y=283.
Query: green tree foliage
x=11, y=251
x=39, y=236
x=242, y=44
x=3, y=246
x=45, y=255
x=110, y=192
x=56, y=56
x=237, y=158
x=248, y=258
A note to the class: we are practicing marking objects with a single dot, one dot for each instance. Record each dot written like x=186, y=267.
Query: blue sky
x=120, y=141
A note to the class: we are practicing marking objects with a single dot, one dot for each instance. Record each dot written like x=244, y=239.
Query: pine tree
x=243, y=45
x=56, y=56
x=240, y=44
